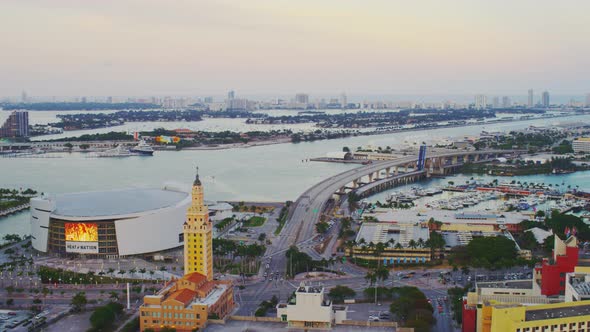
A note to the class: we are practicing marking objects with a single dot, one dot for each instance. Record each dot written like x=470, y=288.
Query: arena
x=109, y=224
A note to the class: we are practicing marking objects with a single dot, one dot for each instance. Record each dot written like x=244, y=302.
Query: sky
x=207, y=47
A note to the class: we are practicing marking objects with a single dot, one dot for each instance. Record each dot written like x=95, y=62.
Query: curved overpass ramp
x=306, y=210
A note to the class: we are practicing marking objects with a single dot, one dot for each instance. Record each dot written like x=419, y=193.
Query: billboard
x=81, y=237
x=167, y=139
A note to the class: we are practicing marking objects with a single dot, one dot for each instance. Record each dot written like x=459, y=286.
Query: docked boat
x=119, y=151
x=143, y=149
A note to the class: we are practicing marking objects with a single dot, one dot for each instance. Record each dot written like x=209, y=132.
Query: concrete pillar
x=355, y=183
x=388, y=172
x=477, y=157
x=395, y=170
x=370, y=177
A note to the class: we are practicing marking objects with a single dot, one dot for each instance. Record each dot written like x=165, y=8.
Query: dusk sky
x=201, y=47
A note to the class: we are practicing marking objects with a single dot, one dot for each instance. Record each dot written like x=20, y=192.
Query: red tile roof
x=195, y=277
x=184, y=295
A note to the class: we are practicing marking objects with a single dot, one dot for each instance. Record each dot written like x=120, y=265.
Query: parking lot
x=11, y=318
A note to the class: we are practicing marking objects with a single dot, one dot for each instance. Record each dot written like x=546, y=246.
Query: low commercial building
x=309, y=309
x=219, y=211
x=577, y=284
x=186, y=304
x=401, y=243
x=581, y=145
x=453, y=221
x=562, y=317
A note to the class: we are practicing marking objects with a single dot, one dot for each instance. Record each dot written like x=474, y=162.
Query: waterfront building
x=15, y=125
x=496, y=102
x=109, y=224
x=587, y=100
x=231, y=95
x=481, y=102
x=581, y=145
x=114, y=223
x=530, y=100
x=309, y=309
x=343, y=100
x=198, y=233
x=237, y=104
x=454, y=221
x=506, y=102
x=545, y=99
x=302, y=98
x=551, y=274
x=187, y=303
x=401, y=243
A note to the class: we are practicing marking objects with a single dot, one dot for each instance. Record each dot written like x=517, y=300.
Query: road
x=254, y=293
x=307, y=209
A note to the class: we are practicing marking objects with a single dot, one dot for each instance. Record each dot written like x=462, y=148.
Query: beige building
x=310, y=310
x=187, y=303
x=581, y=144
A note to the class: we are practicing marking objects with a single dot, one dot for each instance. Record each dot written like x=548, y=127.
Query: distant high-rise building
x=231, y=95
x=588, y=100
x=208, y=99
x=23, y=97
x=530, y=101
x=481, y=102
x=109, y=100
x=496, y=102
x=506, y=102
x=545, y=99
x=84, y=99
x=17, y=125
x=343, y=101
x=302, y=98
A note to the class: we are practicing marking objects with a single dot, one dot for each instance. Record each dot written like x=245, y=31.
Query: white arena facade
x=109, y=224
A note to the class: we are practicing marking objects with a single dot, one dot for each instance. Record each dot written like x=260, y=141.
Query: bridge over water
x=369, y=179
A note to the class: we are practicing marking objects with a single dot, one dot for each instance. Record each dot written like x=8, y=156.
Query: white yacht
x=143, y=148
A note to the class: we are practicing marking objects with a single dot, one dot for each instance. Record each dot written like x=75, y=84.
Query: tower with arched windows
x=198, y=244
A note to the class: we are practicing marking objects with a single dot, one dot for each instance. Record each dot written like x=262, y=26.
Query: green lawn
x=254, y=222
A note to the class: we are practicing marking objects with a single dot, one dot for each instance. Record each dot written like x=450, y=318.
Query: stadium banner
x=81, y=237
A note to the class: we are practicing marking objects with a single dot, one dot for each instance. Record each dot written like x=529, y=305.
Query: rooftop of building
x=445, y=216
x=582, y=139
x=115, y=202
x=212, y=297
x=580, y=283
x=558, y=312
x=400, y=233
x=515, y=284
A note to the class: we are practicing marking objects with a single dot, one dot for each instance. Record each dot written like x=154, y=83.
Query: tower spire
x=197, y=180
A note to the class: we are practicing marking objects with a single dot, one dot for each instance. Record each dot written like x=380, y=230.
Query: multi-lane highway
x=307, y=209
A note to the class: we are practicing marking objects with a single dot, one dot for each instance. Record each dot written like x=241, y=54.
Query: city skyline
x=176, y=48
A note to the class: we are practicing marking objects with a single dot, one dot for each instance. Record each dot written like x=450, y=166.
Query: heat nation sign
x=81, y=238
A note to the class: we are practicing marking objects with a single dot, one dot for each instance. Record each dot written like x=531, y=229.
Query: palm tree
x=412, y=244
x=420, y=243
x=371, y=278
x=348, y=245
x=398, y=246
x=379, y=248
x=391, y=243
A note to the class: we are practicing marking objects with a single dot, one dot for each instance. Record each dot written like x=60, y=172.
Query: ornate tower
x=198, y=244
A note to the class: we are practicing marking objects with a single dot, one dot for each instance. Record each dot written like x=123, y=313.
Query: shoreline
x=357, y=134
